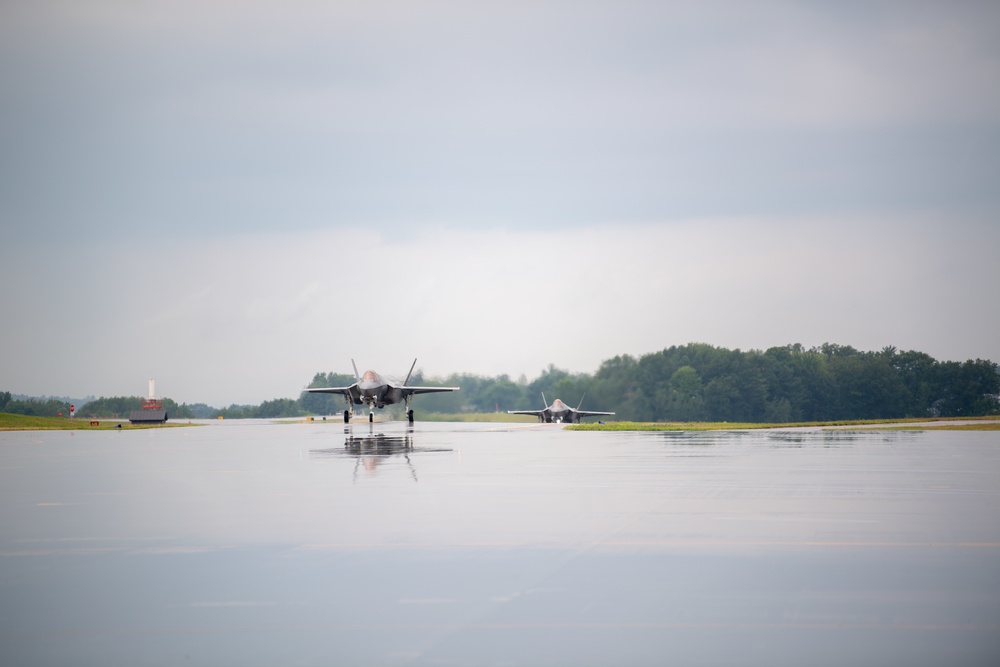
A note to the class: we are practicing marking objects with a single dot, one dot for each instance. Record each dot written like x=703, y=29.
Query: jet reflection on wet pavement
x=370, y=448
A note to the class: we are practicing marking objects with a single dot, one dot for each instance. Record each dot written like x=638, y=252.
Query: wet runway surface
x=490, y=544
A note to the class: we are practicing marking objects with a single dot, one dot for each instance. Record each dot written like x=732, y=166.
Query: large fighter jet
x=559, y=412
x=377, y=392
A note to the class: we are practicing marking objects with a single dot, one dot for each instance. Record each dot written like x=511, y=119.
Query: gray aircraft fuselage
x=375, y=391
x=559, y=412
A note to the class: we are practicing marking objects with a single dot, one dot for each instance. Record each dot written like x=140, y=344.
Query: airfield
x=265, y=543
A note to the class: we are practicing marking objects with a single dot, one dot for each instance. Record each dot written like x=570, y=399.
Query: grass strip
x=9, y=422
x=941, y=424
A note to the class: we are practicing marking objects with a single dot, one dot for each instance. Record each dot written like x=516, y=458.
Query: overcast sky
x=231, y=196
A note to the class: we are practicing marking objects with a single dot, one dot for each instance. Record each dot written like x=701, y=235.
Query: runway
x=264, y=543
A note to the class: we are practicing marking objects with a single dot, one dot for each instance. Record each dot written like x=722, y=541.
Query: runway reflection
x=371, y=448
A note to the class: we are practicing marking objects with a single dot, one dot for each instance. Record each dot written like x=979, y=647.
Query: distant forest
x=694, y=382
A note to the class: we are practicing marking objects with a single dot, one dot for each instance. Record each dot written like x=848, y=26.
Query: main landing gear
x=371, y=414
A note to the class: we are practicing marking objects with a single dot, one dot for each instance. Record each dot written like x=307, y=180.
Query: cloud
x=208, y=120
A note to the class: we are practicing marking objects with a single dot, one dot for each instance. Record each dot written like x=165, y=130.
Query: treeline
x=790, y=383
x=699, y=382
x=278, y=407
x=34, y=407
x=694, y=382
x=121, y=406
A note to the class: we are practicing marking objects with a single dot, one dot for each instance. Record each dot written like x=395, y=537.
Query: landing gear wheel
x=409, y=416
x=371, y=417
x=347, y=416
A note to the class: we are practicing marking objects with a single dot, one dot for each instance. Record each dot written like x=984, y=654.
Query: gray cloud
x=203, y=117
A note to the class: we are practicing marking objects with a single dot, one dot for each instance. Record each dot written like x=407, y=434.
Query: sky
x=230, y=197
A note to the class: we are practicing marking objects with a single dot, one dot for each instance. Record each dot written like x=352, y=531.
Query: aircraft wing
x=536, y=413
x=351, y=391
x=410, y=391
x=588, y=413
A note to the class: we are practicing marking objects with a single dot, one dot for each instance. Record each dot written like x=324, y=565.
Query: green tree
x=916, y=371
x=966, y=390
x=721, y=399
x=279, y=407
x=37, y=407
x=685, y=401
x=501, y=394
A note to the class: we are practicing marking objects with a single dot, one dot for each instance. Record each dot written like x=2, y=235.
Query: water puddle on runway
x=389, y=544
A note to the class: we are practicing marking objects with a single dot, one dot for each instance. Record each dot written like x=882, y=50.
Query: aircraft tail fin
x=407, y=380
x=356, y=375
x=581, y=400
x=545, y=403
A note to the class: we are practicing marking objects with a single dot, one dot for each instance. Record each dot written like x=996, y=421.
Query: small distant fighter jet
x=559, y=412
x=377, y=392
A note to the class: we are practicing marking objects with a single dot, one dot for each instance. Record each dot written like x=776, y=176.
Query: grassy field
x=9, y=422
x=901, y=424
